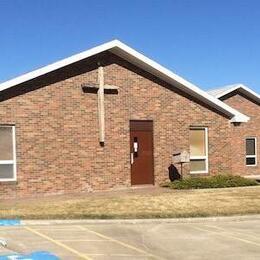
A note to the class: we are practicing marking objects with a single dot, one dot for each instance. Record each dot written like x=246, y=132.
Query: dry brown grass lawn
x=146, y=203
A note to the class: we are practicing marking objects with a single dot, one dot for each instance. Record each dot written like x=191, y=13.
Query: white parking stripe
x=121, y=243
x=234, y=231
x=227, y=235
x=75, y=252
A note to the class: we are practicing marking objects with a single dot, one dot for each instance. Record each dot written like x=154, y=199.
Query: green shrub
x=218, y=181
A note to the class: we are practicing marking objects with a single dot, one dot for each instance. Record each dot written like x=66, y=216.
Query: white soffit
x=141, y=61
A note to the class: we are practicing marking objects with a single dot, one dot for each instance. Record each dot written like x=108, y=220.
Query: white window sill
x=199, y=172
x=8, y=180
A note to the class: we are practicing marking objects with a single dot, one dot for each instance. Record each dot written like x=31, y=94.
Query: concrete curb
x=139, y=221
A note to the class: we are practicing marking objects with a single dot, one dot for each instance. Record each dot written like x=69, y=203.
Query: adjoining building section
x=111, y=118
x=245, y=137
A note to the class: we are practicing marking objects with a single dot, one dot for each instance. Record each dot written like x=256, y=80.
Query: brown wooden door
x=141, y=149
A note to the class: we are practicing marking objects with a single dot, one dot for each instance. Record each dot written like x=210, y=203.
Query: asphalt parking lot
x=203, y=240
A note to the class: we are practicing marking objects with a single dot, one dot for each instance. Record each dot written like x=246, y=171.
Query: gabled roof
x=223, y=91
x=138, y=59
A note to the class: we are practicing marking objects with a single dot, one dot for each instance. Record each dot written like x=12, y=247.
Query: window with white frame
x=251, y=157
x=198, y=150
x=7, y=153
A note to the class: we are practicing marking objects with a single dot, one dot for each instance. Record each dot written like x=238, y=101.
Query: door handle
x=132, y=158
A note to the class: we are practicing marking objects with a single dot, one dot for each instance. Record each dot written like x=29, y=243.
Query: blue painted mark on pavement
x=10, y=222
x=40, y=255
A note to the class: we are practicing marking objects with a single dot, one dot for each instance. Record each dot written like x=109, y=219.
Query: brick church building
x=111, y=118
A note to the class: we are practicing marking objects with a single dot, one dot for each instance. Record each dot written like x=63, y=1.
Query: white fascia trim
x=190, y=88
x=138, y=59
x=56, y=65
x=244, y=89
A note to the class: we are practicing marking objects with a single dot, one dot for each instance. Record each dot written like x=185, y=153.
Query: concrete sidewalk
x=140, y=221
x=224, y=238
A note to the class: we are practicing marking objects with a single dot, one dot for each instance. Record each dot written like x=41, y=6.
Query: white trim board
x=221, y=92
x=138, y=59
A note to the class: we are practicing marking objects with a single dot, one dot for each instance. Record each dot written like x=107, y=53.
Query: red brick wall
x=239, y=133
x=58, y=149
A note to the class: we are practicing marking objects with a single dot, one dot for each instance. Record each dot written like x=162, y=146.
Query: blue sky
x=211, y=43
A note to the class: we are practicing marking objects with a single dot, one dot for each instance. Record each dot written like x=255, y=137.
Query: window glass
x=197, y=142
x=7, y=154
x=6, y=171
x=198, y=165
x=250, y=161
x=250, y=146
x=198, y=150
x=6, y=143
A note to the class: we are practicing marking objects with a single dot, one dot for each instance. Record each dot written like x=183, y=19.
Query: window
x=251, y=159
x=7, y=153
x=199, y=150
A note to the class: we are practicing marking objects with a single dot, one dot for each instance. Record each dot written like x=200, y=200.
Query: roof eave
x=240, y=119
x=57, y=65
x=244, y=89
x=140, y=60
x=179, y=82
